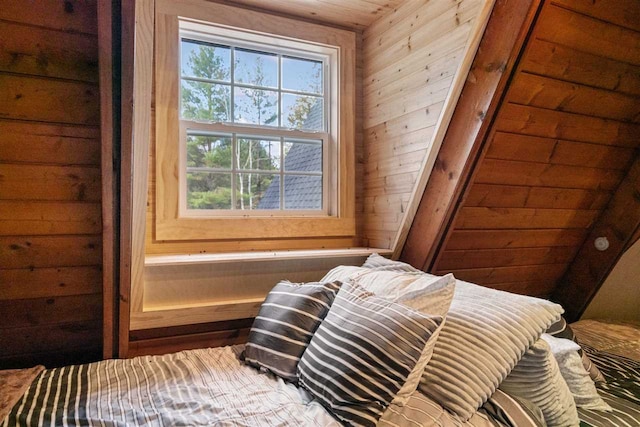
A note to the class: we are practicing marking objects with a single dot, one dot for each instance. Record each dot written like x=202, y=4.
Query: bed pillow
x=572, y=370
x=343, y=273
x=561, y=329
x=381, y=263
x=537, y=378
x=486, y=333
x=364, y=354
x=287, y=320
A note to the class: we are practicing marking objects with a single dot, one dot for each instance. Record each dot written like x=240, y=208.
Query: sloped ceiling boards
x=416, y=60
x=557, y=168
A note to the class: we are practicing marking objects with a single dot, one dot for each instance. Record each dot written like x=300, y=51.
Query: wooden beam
x=137, y=70
x=105, y=64
x=619, y=223
x=480, y=98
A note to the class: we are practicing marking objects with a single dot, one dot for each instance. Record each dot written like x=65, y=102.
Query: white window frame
x=169, y=224
x=239, y=38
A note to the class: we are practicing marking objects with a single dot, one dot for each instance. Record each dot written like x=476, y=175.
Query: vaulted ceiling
x=558, y=166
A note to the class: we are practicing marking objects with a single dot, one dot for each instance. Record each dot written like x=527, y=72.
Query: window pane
x=259, y=69
x=302, y=75
x=205, y=61
x=256, y=107
x=208, y=190
x=206, y=151
x=206, y=101
x=302, y=112
x=251, y=188
x=302, y=192
x=303, y=157
x=258, y=154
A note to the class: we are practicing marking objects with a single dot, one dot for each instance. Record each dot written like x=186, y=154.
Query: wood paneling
x=512, y=196
x=50, y=211
x=554, y=172
x=354, y=14
x=618, y=223
x=481, y=95
x=48, y=100
x=45, y=52
x=411, y=57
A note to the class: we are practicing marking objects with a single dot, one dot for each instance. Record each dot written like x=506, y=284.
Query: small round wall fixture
x=601, y=243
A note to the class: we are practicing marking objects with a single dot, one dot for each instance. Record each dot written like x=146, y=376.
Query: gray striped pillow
x=285, y=324
x=364, y=351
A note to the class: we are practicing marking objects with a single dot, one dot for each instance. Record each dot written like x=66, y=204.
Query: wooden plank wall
x=563, y=140
x=50, y=211
x=410, y=59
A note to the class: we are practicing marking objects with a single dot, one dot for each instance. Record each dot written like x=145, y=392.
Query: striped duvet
x=205, y=387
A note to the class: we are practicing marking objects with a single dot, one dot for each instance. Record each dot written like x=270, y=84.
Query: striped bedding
x=199, y=387
x=208, y=387
x=621, y=391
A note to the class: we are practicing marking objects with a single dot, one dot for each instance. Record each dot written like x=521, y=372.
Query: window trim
x=169, y=224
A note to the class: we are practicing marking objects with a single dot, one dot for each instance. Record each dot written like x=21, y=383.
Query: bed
x=614, y=347
x=215, y=386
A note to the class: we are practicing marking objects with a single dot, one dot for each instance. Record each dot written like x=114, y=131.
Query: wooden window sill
x=228, y=257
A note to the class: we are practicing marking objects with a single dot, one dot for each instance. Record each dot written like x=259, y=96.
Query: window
x=255, y=127
x=277, y=102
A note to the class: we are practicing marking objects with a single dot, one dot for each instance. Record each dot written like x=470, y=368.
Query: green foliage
x=212, y=102
x=206, y=101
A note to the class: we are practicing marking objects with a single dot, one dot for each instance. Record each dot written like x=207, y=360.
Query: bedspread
x=209, y=387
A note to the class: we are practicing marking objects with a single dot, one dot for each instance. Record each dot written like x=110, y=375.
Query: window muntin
x=246, y=172
x=238, y=86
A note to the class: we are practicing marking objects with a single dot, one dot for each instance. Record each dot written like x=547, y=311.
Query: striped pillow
x=359, y=360
x=561, y=329
x=381, y=263
x=537, y=378
x=287, y=320
x=486, y=333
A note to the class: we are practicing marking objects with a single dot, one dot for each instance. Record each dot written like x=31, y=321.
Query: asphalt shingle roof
x=301, y=192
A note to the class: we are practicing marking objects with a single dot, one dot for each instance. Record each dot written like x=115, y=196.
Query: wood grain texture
x=494, y=275
x=109, y=191
x=619, y=223
x=40, y=51
x=37, y=312
x=49, y=251
x=47, y=100
x=555, y=172
x=48, y=144
x=186, y=342
x=481, y=97
x=71, y=16
x=512, y=196
x=508, y=146
x=26, y=181
x=573, y=65
x=499, y=239
x=410, y=60
x=355, y=14
x=50, y=211
x=27, y=283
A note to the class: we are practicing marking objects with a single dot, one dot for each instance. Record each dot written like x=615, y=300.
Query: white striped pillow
x=486, y=333
x=363, y=353
x=537, y=378
x=287, y=320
